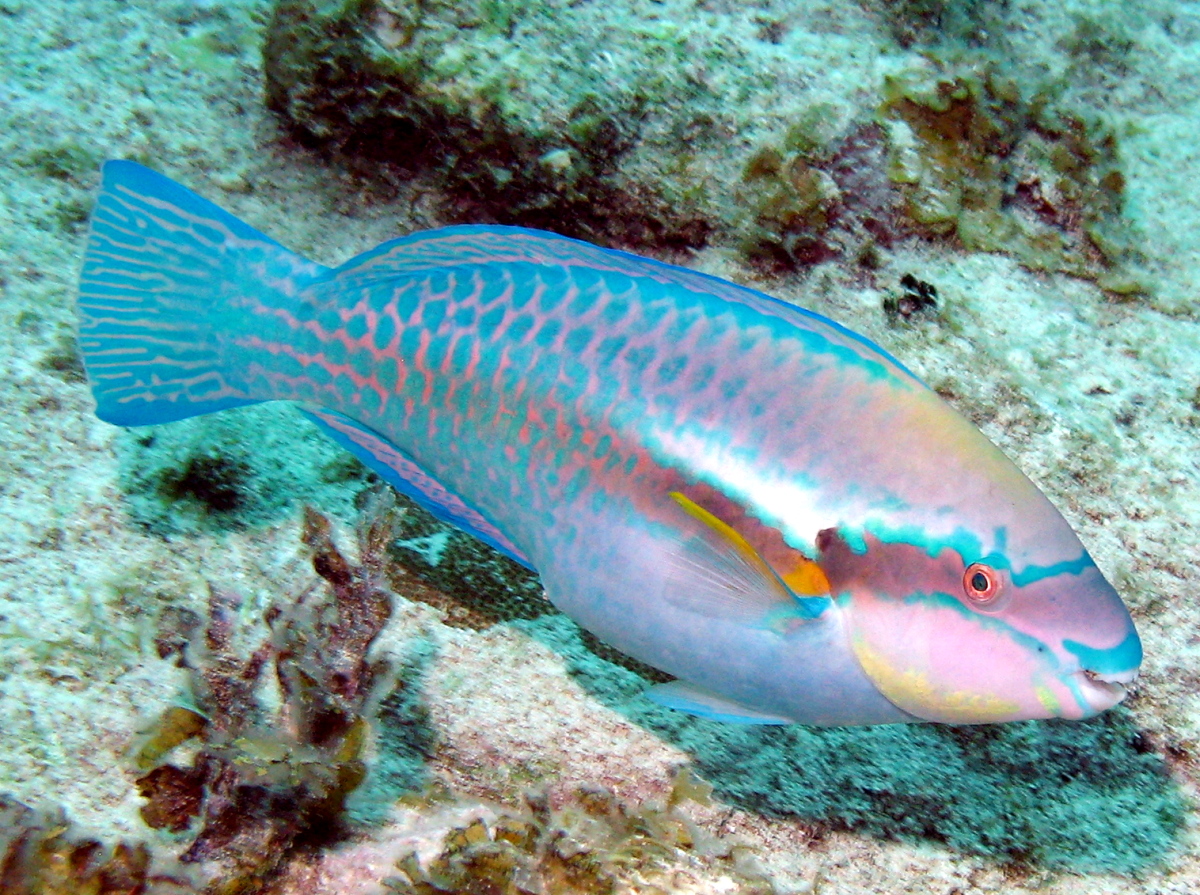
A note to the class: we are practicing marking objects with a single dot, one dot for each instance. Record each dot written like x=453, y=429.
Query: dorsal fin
x=474, y=244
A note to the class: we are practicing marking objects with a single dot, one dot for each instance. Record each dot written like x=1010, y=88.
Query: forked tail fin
x=168, y=280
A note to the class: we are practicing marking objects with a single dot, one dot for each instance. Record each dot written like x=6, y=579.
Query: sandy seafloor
x=1096, y=400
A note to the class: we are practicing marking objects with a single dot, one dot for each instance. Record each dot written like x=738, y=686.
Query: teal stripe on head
x=1030, y=574
x=961, y=541
x=951, y=602
x=1122, y=657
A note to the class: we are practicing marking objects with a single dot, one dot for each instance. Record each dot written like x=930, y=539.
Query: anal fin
x=408, y=477
x=694, y=700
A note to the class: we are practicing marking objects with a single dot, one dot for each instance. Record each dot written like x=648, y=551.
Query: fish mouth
x=1103, y=691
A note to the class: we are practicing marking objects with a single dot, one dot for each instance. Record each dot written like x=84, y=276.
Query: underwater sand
x=1098, y=401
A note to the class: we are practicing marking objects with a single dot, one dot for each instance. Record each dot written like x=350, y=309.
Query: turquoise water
x=1034, y=165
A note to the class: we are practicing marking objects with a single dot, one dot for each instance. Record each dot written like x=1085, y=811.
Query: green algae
x=62, y=161
x=1100, y=43
x=932, y=22
x=978, y=159
x=63, y=360
x=792, y=203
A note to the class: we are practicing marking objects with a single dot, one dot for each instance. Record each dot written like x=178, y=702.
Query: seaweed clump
x=264, y=783
x=819, y=195
x=793, y=201
x=591, y=845
x=917, y=298
x=40, y=854
x=957, y=152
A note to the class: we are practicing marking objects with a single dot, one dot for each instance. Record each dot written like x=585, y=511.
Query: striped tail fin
x=168, y=278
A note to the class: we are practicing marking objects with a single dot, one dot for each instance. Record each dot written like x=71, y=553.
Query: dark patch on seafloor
x=475, y=585
x=1085, y=796
x=244, y=467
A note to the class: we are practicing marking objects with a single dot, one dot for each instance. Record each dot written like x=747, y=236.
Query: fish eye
x=981, y=583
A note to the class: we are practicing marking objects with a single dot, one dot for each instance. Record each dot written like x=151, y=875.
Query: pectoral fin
x=717, y=573
x=695, y=700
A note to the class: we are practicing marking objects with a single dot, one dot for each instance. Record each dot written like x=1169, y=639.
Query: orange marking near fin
x=805, y=580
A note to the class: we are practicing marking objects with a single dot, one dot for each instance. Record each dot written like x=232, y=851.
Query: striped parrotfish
x=743, y=494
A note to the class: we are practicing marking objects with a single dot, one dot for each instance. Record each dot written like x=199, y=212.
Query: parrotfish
x=741, y=493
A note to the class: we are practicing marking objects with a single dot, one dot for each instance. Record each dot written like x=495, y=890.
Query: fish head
x=987, y=608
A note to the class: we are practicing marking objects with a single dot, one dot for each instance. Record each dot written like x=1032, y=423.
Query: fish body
x=741, y=493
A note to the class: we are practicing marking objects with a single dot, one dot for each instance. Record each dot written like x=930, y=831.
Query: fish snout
x=1102, y=691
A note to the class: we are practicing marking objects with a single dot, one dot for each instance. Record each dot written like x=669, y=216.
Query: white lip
x=1103, y=691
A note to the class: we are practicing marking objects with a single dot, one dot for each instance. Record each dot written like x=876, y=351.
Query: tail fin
x=167, y=278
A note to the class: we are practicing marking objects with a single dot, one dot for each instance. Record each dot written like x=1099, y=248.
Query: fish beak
x=1103, y=691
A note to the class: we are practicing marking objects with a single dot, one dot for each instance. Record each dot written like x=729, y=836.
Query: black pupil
x=979, y=582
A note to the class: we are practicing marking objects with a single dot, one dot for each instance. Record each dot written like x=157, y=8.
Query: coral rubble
x=592, y=844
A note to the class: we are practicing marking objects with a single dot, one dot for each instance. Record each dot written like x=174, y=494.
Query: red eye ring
x=981, y=584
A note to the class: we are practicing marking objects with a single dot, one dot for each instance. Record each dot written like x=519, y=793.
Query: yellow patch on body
x=915, y=693
x=1049, y=701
